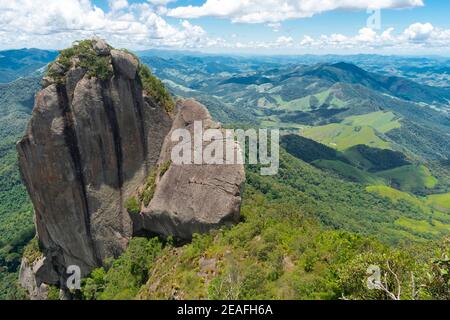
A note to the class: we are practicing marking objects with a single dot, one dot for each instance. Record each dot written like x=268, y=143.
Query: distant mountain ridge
x=22, y=62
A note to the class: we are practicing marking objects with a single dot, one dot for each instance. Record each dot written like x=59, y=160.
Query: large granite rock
x=194, y=198
x=88, y=147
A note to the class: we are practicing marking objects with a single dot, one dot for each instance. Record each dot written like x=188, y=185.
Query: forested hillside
x=16, y=223
x=289, y=245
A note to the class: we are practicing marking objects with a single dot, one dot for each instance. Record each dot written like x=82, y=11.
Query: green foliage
x=410, y=178
x=164, y=167
x=82, y=54
x=440, y=201
x=125, y=275
x=16, y=215
x=373, y=159
x=32, y=252
x=155, y=88
x=340, y=204
x=149, y=189
x=53, y=293
x=306, y=149
x=277, y=252
x=133, y=206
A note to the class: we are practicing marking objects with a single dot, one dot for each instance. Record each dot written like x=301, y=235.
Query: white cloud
x=270, y=11
x=419, y=31
x=117, y=5
x=25, y=23
x=417, y=35
x=284, y=41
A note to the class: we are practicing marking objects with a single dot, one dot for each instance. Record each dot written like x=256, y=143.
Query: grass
x=355, y=130
x=132, y=205
x=304, y=104
x=432, y=228
x=440, y=201
x=341, y=136
x=380, y=121
x=411, y=178
x=396, y=195
x=149, y=189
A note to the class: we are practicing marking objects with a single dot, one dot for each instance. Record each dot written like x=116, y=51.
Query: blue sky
x=252, y=26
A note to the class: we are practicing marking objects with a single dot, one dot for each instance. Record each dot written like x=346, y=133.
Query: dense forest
x=16, y=222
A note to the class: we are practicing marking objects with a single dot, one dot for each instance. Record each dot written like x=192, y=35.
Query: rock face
x=32, y=277
x=192, y=198
x=91, y=145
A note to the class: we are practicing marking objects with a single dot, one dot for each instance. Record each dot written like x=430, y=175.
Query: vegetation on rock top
x=83, y=55
x=155, y=88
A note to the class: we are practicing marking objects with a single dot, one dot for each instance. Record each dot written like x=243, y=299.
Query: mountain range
x=365, y=157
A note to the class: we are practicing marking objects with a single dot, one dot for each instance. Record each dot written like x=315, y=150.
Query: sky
x=413, y=27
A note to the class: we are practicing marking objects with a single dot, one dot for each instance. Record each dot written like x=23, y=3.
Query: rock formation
x=94, y=138
x=192, y=198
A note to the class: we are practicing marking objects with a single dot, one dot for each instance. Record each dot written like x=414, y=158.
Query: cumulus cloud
x=25, y=23
x=271, y=11
x=415, y=36
x=140, y=25
x=284, y=41
x=419, y=31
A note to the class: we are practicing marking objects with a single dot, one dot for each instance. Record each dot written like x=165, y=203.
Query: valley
x=364, y=169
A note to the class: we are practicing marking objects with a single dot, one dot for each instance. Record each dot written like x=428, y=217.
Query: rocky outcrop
x=32, y=277
x=90, y=146
x=194, y=198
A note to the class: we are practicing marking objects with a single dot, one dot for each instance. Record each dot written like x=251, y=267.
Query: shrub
x=96, y=66
x=155, y=88
x=149, y=189
x=32, y=252
x=164, y=167
x=132, y=205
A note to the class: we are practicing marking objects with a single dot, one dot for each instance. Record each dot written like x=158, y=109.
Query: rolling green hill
x=411, y=178
x=440, y=201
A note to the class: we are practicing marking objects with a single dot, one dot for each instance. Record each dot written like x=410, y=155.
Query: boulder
x=194, y=198
x=100, y=46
